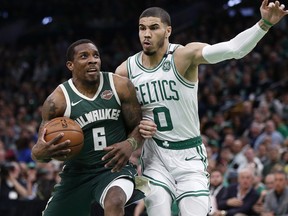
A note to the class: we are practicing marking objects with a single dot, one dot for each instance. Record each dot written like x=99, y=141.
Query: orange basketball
x=71, y=130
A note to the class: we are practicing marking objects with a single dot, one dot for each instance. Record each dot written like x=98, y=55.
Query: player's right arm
x=54, y=106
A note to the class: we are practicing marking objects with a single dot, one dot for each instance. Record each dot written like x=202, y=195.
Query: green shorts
x=80, y=187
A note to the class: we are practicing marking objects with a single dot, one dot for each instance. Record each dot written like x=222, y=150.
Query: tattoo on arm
x=52, y=109
x=132, y=107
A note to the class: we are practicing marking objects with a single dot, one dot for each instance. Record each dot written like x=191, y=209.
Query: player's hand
x=118, y=155
x=147, y=128
x=273, y=11
x=46, y=150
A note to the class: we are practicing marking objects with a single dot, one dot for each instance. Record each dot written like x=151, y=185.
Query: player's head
x=71, y=49
x=83, y=60
x=157, y=12
x=154, y=30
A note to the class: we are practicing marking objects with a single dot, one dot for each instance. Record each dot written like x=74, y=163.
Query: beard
x=149, y=53
x=159, y=45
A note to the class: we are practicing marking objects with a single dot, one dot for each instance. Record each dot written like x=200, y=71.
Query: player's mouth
x=92, y=70
x=147, y=44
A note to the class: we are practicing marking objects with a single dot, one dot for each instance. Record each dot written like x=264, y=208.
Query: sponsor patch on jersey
x=107, y=95
x=166, y=66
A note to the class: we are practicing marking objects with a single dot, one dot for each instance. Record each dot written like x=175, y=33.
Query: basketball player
x=106, y=107
x=166, y=79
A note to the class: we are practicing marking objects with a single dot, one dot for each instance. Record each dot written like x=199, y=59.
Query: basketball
x=72, y=131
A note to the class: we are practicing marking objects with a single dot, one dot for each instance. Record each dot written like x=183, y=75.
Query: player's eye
x=154, y=27
x=142, y=28
x=83, y=56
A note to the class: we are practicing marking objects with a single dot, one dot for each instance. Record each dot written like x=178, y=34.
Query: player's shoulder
x=121, y=79
x=122, y=69
x=55, y=103
x=123, y=85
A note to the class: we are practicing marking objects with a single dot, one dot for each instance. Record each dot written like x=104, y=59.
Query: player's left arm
x=119, y=153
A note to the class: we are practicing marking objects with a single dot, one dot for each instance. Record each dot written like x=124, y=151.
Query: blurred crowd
x=243, y=108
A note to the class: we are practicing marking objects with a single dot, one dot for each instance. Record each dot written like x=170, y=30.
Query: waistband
x=185, y=144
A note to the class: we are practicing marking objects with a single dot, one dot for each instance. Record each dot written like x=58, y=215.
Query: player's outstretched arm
x=241, y=44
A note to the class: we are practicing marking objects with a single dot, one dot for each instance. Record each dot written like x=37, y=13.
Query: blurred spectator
x=24, y=144
x=284, y=161
x=247, y=113
x=264, y=110
x=284, y=111
x=258, y=207
x=11, y=187
x=237, y=123
x=276, y=200
x=224, y=160
x=262, y=153
x=212, y=105
x=239, y=197
x=269, y=132
x=2, y=152
x=228, y=140
x=263, y=81
x=280, y=125
x=237, y=149
x=216, y=189
x=214, y=146
x=273, y=103
x=219, y=122
x=30, y=180
x=252, y=132
x=274, y=160
x=9, y=138
x=269, y=181
x=46, y=180
x=252, y=161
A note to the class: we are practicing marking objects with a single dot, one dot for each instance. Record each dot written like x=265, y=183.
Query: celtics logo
x=166, y=66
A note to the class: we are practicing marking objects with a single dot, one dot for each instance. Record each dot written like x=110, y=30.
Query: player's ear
x=69, y=65
x=168, y=31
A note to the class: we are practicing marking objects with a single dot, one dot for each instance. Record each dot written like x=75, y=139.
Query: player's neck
x=88, y=89
x=152, y=61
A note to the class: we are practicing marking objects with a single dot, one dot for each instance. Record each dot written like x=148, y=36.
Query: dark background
x=103, y=21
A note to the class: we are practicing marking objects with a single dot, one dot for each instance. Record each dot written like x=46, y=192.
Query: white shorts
x=182, y=172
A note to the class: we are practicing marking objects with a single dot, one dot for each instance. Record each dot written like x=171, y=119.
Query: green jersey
x=100, y=118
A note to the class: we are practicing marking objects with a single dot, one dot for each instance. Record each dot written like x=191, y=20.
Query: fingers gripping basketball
x=72, y=131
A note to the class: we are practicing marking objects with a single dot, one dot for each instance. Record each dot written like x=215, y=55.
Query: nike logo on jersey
x=75, y=103
x=133, y=77
x=188, y=159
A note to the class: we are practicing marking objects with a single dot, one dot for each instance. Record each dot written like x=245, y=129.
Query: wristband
x=267, y=22
x=133, y=143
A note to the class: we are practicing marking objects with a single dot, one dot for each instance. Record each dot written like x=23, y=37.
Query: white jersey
x=166, y=97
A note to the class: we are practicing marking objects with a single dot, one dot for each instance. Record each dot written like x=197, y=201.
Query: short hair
x=157, y=12
x=70, y=50
x=280, y=172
